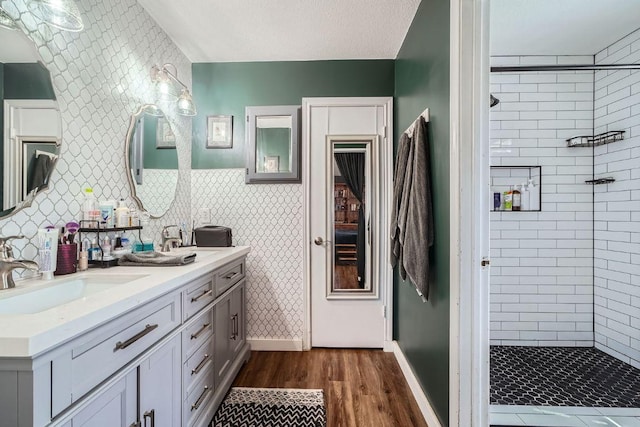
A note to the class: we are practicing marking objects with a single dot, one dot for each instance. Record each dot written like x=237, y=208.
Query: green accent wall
x=1, y=130
x=421, y=81
x=227, y=88
x=273, y=142
x=156, y=158
x=27, y=81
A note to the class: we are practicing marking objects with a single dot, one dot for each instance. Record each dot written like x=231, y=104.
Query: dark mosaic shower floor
x=562, y=376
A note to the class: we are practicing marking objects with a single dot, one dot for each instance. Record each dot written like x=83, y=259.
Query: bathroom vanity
x=141, y=346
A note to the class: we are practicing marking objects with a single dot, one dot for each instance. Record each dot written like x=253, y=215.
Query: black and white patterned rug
x=271, y=407
x=562, y=376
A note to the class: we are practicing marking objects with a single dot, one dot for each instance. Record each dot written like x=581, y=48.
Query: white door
x=348, y=222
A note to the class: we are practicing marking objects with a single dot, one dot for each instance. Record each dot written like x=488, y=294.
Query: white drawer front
x=228, y=276
x=198, y=295
x=198, y=366
x=99, y=354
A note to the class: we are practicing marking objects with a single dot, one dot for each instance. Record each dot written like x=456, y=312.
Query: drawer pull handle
x=198, y=368
x=122, y=345
x=202, y=295
x=232, y=275
x=151, y=415
x=200, y=331
x=196, y=405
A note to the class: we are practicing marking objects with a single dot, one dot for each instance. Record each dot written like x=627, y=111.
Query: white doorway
x=347, y=149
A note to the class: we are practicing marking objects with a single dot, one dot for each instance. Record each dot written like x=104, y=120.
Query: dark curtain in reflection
x=351, y=167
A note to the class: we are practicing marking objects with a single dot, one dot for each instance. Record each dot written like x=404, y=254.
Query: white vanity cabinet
x=154, y=366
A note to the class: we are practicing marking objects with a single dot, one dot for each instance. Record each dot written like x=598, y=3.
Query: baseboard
x=423, y=403
x=262, y=344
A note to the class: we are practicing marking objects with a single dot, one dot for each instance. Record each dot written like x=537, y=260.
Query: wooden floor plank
x=363, y=388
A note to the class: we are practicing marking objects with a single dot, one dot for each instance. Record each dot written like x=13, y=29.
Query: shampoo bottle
x=516, y=199
x=534, y=196
x=524, y=198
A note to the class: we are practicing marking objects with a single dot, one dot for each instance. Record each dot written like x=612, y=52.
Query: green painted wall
x=422, y=80
x=227, y=88
x=273, y=142
x=1, y=130
x=27, y=81
x=156, y=158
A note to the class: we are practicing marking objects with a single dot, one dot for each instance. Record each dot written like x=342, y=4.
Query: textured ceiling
x=284, y=30
x=560, y=27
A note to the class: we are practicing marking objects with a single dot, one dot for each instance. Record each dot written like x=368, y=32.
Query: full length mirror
x=152, y=160
x=30, y=122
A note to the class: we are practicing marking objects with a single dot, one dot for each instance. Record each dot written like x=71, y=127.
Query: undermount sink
x=43, y=297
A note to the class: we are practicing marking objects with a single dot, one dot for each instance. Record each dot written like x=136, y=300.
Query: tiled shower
x=568, y=276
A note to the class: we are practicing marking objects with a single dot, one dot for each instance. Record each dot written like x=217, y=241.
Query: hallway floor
x=362, y=388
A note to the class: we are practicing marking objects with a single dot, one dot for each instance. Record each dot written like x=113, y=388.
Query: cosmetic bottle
x=508, y=201
x=89, y=211
x=534, y=196
x=122, y=214
x=524, y=197
x=94, y=252
x=516, y=199
x=106, y=213
x=83, y=261
x=106, y=249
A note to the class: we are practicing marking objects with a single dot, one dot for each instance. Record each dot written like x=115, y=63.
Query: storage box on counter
x=213, y=236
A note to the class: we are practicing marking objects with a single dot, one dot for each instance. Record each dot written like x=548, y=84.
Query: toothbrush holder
x=67, y=261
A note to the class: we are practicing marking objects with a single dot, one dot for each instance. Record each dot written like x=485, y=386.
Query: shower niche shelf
x=599, y=181
x=596, y=140
x=503, y=178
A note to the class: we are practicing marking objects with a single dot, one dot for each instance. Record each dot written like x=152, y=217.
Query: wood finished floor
x=345, y=277
x=362, y=388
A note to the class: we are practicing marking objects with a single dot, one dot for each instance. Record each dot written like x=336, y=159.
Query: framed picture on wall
x=272, y=164
x=219, y=131
x=165, y=138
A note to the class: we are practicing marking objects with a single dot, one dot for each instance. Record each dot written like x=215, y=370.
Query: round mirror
x=30, y=122
x=152, y=160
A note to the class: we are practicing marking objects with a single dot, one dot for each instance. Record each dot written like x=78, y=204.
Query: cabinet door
x=222, y=333
x=238, y=333
x=160, y=386
x=114, y=407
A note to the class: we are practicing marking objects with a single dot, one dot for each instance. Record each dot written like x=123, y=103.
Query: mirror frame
x=127, y=147
x=252, y=175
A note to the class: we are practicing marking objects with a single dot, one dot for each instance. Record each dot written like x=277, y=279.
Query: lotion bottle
x=534, y=196
x=122, y=214
x=524, y=198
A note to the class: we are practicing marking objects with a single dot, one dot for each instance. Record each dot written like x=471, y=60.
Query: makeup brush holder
x=67, y=261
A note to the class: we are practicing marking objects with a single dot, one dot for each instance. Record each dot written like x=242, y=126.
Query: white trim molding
x=265, y=344
x=469, y=169
x=421, y=399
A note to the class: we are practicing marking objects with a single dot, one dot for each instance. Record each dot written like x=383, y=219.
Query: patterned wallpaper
x=100, y=76
x=157, y=202
x=269, y=218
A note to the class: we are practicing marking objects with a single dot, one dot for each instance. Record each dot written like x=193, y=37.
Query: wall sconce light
x=165, y=78
x=61, y=14
x=7, y=21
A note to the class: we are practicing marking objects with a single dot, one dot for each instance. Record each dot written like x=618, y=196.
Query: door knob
x=318, y=241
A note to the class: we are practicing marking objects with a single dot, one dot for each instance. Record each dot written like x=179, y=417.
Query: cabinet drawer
x=228, y=276
x=100, y=353
x=197, y=401
x=198, y=366
x=197, y=332
x=197, y=295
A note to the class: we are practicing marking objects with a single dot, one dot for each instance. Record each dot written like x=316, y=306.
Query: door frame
x=469, y=310
x=386, y=180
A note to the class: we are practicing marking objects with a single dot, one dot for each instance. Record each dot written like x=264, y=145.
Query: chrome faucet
x=8, y=263
x=167, y=240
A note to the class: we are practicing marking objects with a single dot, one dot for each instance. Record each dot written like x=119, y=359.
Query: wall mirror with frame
x=30, y=122
x=273, y=144
x=151, y=160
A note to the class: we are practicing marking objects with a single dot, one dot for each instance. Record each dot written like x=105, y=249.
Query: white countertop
x=28, y=335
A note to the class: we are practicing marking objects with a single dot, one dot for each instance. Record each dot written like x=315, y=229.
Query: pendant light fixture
x=7, y=21
x=61, y=14
x=165, y=78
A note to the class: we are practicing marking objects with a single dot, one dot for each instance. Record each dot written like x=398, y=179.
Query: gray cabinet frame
x=252, y=175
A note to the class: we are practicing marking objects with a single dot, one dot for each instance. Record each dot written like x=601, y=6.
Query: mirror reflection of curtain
x=351, y=167
x=39, y=168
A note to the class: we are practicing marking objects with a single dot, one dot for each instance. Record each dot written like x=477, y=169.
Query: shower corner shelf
x=596, y=140
x=599, y=181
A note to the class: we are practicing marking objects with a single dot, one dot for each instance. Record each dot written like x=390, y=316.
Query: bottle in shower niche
x=534, y=195
x=516, y=199
x=507, y=197
x=524, y=197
